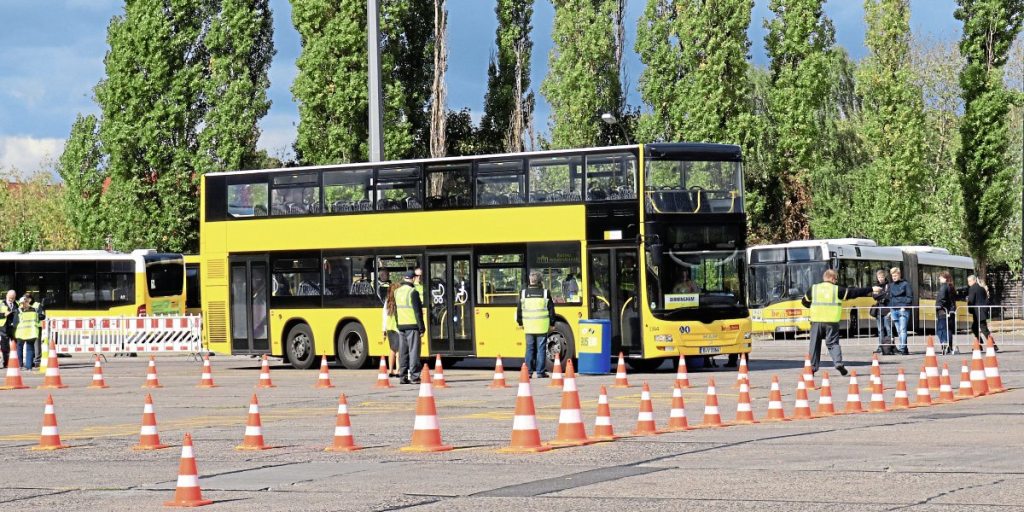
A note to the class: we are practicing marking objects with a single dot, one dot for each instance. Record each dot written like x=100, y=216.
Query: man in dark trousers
x=826, y=302
x=409, y=319
x=977, y=306
x=8, y=321
x=535, y=313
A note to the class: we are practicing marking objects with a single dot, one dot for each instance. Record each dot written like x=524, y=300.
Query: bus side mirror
x=656, y=253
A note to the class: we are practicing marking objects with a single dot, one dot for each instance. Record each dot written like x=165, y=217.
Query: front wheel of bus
x=560, y=343
x=353, y=346
x=299, y=347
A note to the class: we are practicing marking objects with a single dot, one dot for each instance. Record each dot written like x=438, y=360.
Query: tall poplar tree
x=80, y=167
x=509, y=67
x=582, y=80
x=889, y=198
x=986, y=177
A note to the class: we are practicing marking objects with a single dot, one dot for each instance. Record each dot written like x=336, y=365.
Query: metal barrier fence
x=125, y=334
x=1004, y=323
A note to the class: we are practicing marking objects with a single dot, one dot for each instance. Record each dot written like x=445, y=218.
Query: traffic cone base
x=187, y=492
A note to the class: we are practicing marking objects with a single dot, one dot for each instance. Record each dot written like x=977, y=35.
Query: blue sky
x=52, y=57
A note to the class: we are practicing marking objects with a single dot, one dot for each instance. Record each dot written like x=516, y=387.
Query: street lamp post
x=373, y=57
x=610, y=119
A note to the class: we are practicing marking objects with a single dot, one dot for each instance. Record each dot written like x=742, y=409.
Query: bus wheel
x=560, y=343
x=299, y=347
x=353, y=347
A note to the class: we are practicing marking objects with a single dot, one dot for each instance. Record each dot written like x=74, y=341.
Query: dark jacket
x=900, y=294
x=844, y=294
x=946, y=298
x=417, y=307
x=881, y=298
x=976, y=297
x=12, y=319
x=534, y=291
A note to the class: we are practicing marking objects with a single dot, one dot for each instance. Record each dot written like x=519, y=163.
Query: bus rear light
x=141, y=311
x=792, y=313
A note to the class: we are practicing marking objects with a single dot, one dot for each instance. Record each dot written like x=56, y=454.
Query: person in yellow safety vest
x=41, y=313
x=8, y=320
x=409, y=320
x=535, y=313
x=826, y=302
x=27, y=332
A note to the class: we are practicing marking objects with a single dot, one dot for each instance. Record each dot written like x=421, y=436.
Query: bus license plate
x=710, y=350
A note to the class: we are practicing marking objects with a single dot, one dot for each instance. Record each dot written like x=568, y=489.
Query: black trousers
x=5, y=348
x=830, y=332
x=980, y=325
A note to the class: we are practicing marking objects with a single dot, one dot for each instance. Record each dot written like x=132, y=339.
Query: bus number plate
x=710, y=350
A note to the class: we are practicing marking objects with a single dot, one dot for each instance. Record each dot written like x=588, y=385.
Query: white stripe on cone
x=524, y=422
x=253, y=431
x=570, y=416
x=425, y=423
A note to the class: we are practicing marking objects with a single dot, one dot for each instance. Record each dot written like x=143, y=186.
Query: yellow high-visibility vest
x=825, y=304
x=535, y=313
x=403, y=306
x=28, y=325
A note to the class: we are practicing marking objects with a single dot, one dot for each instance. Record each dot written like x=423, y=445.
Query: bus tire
x=299, y=347
x=560, y=342
x=353, y=346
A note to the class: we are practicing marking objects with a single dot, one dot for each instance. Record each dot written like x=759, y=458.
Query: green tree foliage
x=582, y=80
x=81, y=169
x=240, y=46
x=513, y=40
x=35, y=213
x=986, y=178
x=889, y=196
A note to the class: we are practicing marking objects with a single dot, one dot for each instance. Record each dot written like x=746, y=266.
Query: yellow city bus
x=98, y=283
x=295, y=261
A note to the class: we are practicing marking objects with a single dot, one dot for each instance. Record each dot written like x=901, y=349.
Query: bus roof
x=82, y=255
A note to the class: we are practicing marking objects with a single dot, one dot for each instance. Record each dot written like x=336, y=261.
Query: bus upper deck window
x=248, y=200
x=611, y=177
x=500, y=183
x=398, y=189
x=348, y=191
x=295, y=194
x=449, y=186
x=556, y=180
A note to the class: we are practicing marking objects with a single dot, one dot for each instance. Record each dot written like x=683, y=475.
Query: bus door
x=250, y=330
x=449, y=303
x=614, y=286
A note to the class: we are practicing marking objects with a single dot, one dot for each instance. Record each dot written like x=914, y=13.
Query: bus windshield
x=165, y=274
x=688, y=281
x=776, y=282
x=679, y=186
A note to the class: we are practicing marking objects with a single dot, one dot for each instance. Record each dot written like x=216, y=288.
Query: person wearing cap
x=410, y=324
x=535, y=313
x=27, y=332
x=825, y=300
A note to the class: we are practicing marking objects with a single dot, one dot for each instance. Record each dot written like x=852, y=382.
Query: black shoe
x=404, y=380
x=543, y=375
x=415, y=381
x=905, y=352
x=842, y=370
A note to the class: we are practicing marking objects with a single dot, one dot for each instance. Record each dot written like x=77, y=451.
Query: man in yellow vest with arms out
x=535, y=313
x=826, y=302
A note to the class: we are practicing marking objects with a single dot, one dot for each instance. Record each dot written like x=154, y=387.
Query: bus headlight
x=747, y=335
x=663, y=338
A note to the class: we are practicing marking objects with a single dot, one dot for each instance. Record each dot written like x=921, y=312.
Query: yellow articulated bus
x=295, y=261
x=98, y=283
x=779, y=275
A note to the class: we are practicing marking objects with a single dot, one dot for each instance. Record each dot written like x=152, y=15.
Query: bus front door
x=249, y=312
x=614, y=285
x=449, y=304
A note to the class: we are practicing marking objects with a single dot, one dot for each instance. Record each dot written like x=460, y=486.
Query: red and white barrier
x=126, y=334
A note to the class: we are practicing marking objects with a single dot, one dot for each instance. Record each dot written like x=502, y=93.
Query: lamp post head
x=609, y=118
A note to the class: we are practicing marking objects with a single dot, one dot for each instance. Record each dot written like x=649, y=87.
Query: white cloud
x=28, y=154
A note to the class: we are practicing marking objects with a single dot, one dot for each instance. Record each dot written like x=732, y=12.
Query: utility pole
x=373, y=53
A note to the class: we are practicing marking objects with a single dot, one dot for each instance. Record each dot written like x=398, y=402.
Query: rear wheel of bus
x=560, y=343
x=353, y=347
x=299, y=347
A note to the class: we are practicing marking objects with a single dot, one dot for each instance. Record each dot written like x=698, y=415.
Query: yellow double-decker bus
x=97, y=283
x=295, y=262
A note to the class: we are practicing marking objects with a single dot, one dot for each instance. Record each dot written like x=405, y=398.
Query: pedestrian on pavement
x=883, y=322
x=977, y=306
x=409, y=321
x=535, y=314
x=27, y=332
x=945, y=312
x=825, y=300
x=8, y=321
x=389, y=324
x=901, y=299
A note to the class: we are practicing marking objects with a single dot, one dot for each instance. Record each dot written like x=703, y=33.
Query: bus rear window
x=165, y=278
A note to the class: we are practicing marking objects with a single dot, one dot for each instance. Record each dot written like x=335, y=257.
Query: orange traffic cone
x=995, y=383
x=853, y=403
x=931, y=365
x=603, y=430
x=775, y=411
x=876, y=370
x=645, y=424
x=382, y=375
x=438, y=377
x=677, y=415
x=825, y=405
x=901, y=400
x=877, y=403
x=945, y=386
x=801, y=405
x=206, y=377
x=343, y=441
x=97, y=375
x=265, y=381
x=13, y=378
x=808, y=372
x=149, y=439
x=571, y=431
x=965, y=390
x=682, y=379
x=253, y=439
x=323, y=381
x=49, y=439
x=743, y=374
x=51, y=380
x=744, y=412
x=525, y=435
x=151, y=380
x=187, y=493
x=924, y=395
x=556, y=380
x=498, y=382
x=978, y=382
x=426, y=433
x=620, y=374
x=712, y=418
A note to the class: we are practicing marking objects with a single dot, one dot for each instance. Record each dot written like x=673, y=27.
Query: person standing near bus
x=901, y=299
x=535, y=313
x=409, y=320
x=945, y=312
x=8, y=321
x=883, y=321
x=27, y=332
x=389, y=324
x=825, y=300
x=977, y=305
x=40, y=315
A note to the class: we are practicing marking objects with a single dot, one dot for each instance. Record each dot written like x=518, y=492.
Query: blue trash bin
x=595, y=347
